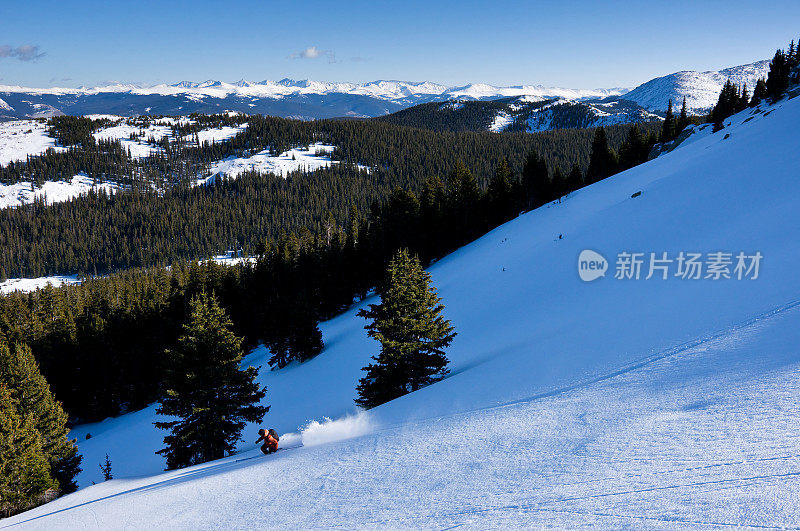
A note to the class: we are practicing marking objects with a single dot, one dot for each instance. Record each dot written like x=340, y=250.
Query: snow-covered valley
x=615, y=403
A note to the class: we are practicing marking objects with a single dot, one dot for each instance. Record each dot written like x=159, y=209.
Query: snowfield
x=216, y=134
x=614, y=404
x=306, y=159
x=20, y=138
x=27, y=285
x=17, y=194
x=141, y=147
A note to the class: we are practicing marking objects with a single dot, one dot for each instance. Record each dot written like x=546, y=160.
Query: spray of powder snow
x=336, y=430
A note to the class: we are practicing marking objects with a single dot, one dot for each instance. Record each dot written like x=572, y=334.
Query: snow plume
x=337, y=430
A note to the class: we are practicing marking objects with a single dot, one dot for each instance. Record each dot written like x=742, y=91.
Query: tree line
x=734, y=98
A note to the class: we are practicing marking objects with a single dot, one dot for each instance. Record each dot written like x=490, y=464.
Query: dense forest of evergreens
x=98, y=234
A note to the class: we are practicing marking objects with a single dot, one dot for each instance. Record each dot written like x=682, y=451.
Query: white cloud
x=312, y=52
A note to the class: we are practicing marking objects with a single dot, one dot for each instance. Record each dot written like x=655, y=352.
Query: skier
x=270, y=438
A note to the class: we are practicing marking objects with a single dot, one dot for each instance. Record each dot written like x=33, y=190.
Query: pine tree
x=412, y=332
x=24, y=470
x=744, y=99
x=536, y=184
x=501, y=194
x=559, y=184
x=727, y=104
x=20, y=372
x=105, y=468
x=205, y=388
x=575, y=178
x=759, y=92
x=633, y=150
x=603, y=160
x=683, y=119
x=778, y=76
x=668, y=127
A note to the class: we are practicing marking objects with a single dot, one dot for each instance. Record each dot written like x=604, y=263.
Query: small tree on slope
x=412, y=331
x=208, y=392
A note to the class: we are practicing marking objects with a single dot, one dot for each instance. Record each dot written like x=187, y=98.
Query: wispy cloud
x=25, y=52
x=312, y=52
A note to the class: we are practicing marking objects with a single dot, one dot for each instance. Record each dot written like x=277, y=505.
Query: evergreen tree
x=412, y=332
x=536, y=184
x=501, y=194
x=205, y=388
x=575, y=178
x=603, y=160
x=792, y=55
x=778, y=76
x=24, y=470
x=727, y=104
x=683, y=119
x=559, y=184
x=759, y=92
x=744, y=99
x=20, y=372
x=105, y=468
x=669, y=126
x=634, y=150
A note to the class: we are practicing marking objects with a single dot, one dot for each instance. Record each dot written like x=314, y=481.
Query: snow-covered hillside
x=300, y=159
x=613, y=403
x=701, y=89
x=20, y=138
x=24, y=192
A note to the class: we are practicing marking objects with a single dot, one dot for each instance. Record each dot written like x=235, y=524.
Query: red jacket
x=270, y=441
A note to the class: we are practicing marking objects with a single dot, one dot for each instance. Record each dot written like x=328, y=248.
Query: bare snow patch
x=24, y=192
x=306, y=159
x=217, y=134
x=501, y=120
x=20, y=138
x=26, y=285
x=140, y=147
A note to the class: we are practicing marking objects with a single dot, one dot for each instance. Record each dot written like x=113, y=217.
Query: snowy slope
x=24, y=192
x=20, y=138
x=616, y=403
x=701, y=89
x=26, y=285
x=306, y=159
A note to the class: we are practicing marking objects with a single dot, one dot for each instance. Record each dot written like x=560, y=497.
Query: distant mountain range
x=312, y=99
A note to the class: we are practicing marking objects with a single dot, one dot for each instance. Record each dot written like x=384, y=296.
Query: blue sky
x=570, y=44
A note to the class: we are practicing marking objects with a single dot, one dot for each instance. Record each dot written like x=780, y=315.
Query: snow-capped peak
x=701, y=89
